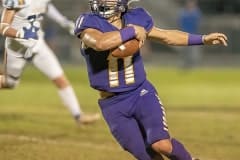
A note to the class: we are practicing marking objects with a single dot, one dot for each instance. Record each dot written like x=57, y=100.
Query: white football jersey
x=29, y=10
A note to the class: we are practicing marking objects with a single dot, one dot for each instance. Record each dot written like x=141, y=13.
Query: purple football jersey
x=110, y=73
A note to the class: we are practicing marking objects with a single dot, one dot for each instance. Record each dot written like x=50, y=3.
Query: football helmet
x=108, y=8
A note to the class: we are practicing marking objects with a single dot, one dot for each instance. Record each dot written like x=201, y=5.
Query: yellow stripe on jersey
x=21, y=2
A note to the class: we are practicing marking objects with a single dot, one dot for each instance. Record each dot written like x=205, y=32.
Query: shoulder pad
x=141, y=17
x=85, y=21
x=15, y=4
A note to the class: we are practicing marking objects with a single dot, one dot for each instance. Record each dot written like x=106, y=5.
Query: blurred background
x=199, y=87
x=214, y=16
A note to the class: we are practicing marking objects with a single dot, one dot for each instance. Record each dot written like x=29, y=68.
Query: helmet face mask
x=108, y=8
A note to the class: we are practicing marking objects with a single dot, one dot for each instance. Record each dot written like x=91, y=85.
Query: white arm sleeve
x=55, y=15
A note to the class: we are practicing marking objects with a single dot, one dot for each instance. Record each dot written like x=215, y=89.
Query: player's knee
x=10, y=82
x=61, y=82
x=163, y=146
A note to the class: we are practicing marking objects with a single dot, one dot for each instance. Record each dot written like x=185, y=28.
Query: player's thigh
x=151, y=114
x=13, y=63
x=127, y=133
x=122, y=125
x=46, y=61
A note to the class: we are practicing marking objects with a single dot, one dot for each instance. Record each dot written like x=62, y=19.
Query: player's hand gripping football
x=215, y=38
x=141, y=34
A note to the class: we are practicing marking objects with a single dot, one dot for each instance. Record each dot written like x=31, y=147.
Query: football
x=126, y=49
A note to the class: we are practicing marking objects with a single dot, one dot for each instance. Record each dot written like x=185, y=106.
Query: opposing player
x=21, y=24
x=129, y=102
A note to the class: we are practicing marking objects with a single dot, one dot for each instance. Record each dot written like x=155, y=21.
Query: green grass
x=203, y=108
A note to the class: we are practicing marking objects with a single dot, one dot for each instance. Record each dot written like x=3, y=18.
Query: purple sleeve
x=85, y=21
x=141, y=17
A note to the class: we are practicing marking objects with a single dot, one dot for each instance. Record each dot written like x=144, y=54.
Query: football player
x=21, y=25
x=129, y=102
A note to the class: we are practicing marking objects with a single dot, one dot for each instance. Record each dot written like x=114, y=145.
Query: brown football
x=126, y=49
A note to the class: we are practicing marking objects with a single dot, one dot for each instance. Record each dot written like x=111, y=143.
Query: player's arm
x=179, y=38
x=54, y=14
x=29, y=32
x=5, y=25
x=105, y=41
x=100, y=41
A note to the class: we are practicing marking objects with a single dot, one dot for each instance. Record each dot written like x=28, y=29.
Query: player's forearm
x=175, y=37
x=5, y=25
x=169, y=37
x=103, y=42
x=109, y=40
x=56, y=16
x=8, y=31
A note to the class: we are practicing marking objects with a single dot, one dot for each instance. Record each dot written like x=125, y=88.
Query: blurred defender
x=21, y=24
x=129, y=102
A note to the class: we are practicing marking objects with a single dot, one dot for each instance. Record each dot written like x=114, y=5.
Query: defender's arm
x=54, y=14
x=5, y=25
x=28, y=32
x=179, y=38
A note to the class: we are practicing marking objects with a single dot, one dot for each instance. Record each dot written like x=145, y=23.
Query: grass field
x=203, y=109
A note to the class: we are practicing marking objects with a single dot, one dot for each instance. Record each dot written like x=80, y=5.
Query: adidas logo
x=143, y=92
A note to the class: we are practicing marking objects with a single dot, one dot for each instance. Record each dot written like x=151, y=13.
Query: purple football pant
x=136, y=119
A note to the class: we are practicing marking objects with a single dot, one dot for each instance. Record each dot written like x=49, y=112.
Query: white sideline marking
x=49, y=141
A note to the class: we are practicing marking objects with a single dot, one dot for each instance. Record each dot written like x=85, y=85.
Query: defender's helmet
x=108, y=8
